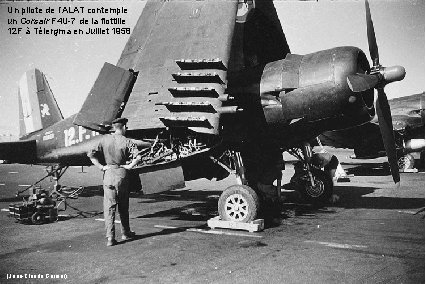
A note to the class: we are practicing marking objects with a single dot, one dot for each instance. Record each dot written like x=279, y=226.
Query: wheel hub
x=236, y=207
x=317, y=189
x=406, y=162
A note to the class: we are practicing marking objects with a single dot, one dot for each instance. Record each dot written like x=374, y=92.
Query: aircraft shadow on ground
x=167, y=231
x=78, y=214
x=354, y=197
x=90, y=191
x=350, y=197
x=375, y=169
x=183, y=195
x=203, y=203
x=202, y=207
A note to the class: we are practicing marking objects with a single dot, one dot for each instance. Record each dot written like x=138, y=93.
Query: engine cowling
x=314, y=87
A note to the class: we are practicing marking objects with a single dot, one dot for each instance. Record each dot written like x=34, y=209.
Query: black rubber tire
x=406, y=162
x=322, y=191
x=37, y=218
x=238, y=203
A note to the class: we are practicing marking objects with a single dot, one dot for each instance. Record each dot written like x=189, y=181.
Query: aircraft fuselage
x=64, y=143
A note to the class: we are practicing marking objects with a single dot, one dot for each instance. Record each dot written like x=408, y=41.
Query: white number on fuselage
x=73, y=136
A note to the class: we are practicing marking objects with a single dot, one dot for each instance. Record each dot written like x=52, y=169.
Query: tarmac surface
x=374, y=233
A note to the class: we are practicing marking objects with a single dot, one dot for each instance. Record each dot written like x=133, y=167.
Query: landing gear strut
x=238, y=203
x=315, y=185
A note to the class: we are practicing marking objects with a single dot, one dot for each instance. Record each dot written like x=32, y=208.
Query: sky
x=71, y=63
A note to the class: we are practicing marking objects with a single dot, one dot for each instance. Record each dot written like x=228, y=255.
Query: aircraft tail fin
x=38, y=108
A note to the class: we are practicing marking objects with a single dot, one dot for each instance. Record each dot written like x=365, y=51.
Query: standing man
x=120, y=155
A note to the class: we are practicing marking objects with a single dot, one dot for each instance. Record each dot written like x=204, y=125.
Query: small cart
x=38, y=208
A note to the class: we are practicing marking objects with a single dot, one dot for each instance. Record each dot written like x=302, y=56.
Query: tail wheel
x=37, y=218
x=238, y=203
x=406, y=162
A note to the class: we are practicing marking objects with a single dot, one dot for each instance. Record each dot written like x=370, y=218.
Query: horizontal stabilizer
x=107, y=98
x=18, y=151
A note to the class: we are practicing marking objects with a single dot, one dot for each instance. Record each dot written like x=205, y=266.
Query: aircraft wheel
x=37, y=218
x=238, y=203
x=406, y=162
x=320, y=192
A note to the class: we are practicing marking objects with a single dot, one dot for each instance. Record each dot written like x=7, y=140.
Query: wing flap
x=107, y=97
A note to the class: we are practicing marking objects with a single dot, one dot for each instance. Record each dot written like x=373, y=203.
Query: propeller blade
x=362, y=82
x=372, y=43
x=386, y=128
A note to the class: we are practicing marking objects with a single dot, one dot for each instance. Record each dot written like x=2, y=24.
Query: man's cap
x=105, y=126
x=121, y=120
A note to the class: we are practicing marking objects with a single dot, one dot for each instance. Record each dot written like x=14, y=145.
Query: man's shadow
x=166, y=231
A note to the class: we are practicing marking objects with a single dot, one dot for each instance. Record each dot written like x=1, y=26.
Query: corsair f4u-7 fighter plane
x=212, y=85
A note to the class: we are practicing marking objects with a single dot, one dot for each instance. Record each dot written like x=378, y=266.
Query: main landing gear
x=241, y=203
x=238, y=203
x=314, y=185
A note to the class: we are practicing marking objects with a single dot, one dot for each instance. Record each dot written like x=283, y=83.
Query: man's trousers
x=116, y=194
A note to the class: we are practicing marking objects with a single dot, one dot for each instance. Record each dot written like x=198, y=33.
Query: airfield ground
x=373, y=234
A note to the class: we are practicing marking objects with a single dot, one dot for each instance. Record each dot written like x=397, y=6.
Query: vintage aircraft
x=408, y=118
x=212, y=85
